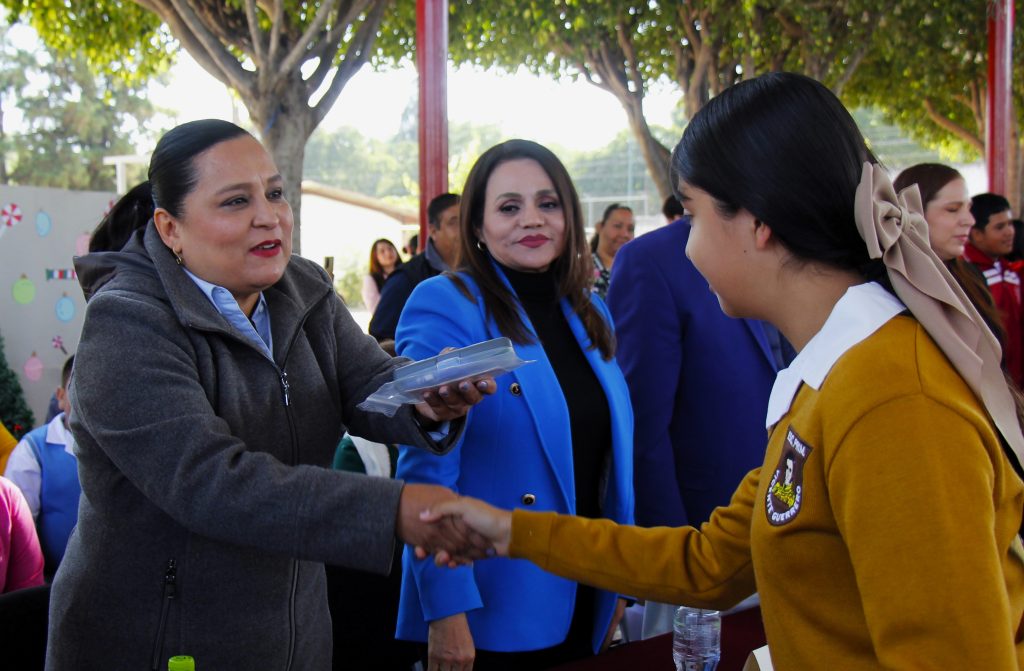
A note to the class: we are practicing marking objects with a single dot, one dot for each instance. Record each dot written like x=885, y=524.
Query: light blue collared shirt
x=256, y=330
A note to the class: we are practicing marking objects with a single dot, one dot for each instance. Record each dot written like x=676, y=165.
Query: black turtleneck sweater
x=589, y=417
x=590, y=427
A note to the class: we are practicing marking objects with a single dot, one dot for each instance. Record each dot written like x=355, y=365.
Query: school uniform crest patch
x=785, y=491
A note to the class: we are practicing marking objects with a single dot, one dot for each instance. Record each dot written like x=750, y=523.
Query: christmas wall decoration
x=41, y=304
x=10, y=216
x=61, y=274
x=43, y=224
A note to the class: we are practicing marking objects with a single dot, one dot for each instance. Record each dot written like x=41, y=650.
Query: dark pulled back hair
x=172, y=176
x=117, y=225
x=929, y=177
x=573, y=270
x=672, y=209
x=782, y=147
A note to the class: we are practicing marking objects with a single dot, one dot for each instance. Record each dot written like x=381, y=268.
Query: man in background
x=439, y=256
x=990, y=240
x=699, y=382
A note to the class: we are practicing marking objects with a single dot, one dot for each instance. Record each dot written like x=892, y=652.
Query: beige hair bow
x=894, y=229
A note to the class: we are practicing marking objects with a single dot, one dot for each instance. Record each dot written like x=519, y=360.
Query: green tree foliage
x=13, y=65
x=14, y=412
x=389, y=169
x=117, y=36
x=921, y=62
x=933, y=80
x=621, y=47
x=72, y=119
x=287, y=60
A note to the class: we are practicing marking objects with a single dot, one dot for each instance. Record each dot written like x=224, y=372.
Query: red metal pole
x=999, y=100
x=432, y=61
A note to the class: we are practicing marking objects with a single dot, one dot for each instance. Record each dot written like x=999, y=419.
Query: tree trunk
x=284, y=129
x=656, y=155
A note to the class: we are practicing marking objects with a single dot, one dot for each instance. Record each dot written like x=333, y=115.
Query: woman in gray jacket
x=215, y=375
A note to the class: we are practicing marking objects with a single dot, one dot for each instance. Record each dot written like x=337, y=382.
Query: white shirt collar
x=861, y=311
x=58, y=434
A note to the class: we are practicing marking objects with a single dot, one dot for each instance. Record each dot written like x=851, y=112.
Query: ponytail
x=128, y=215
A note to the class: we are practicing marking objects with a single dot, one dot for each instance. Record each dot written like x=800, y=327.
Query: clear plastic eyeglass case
x=490, y=358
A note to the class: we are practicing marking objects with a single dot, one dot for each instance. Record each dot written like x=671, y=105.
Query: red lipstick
x=267, y=248
x=534, y=241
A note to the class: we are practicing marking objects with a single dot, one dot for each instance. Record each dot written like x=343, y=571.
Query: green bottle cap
x=181, y=663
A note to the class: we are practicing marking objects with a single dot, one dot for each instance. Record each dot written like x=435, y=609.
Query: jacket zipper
x=170, y=592
x=285, y=387
x=286, y=400
x=291, y=615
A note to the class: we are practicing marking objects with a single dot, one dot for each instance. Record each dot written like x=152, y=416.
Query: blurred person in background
x=440, y=255
x=615, y=229
x=698, y=380
x=947, y=209
x=384, y=260
x=45, y=468
x=990, y=241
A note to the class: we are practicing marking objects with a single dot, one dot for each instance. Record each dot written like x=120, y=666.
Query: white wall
x=40, y=299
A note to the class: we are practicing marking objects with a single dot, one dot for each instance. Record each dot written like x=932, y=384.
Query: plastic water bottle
x=696, y=639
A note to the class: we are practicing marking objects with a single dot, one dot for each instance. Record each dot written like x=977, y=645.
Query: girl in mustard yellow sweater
x=881, y=530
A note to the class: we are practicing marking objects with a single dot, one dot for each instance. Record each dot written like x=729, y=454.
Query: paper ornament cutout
x=23, y=291
x=82, y=245
x=10, y=215
x=43, y=224
x=65, y=308
x=34, y=368
x=58, y=343
x=61, y=274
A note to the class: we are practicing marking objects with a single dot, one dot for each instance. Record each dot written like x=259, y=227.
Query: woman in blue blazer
x=557, y=435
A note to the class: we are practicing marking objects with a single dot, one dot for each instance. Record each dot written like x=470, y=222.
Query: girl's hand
x=492, y=524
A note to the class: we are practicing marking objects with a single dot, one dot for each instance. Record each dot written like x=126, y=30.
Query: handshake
x=455, y=530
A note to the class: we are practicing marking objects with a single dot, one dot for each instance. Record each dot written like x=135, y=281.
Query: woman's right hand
x=493, y=524
x=450, y=645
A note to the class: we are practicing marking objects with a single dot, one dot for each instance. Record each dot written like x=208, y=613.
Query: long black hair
x=782, y=147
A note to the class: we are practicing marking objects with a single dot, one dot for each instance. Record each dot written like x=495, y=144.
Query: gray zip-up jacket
x=207, y=502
